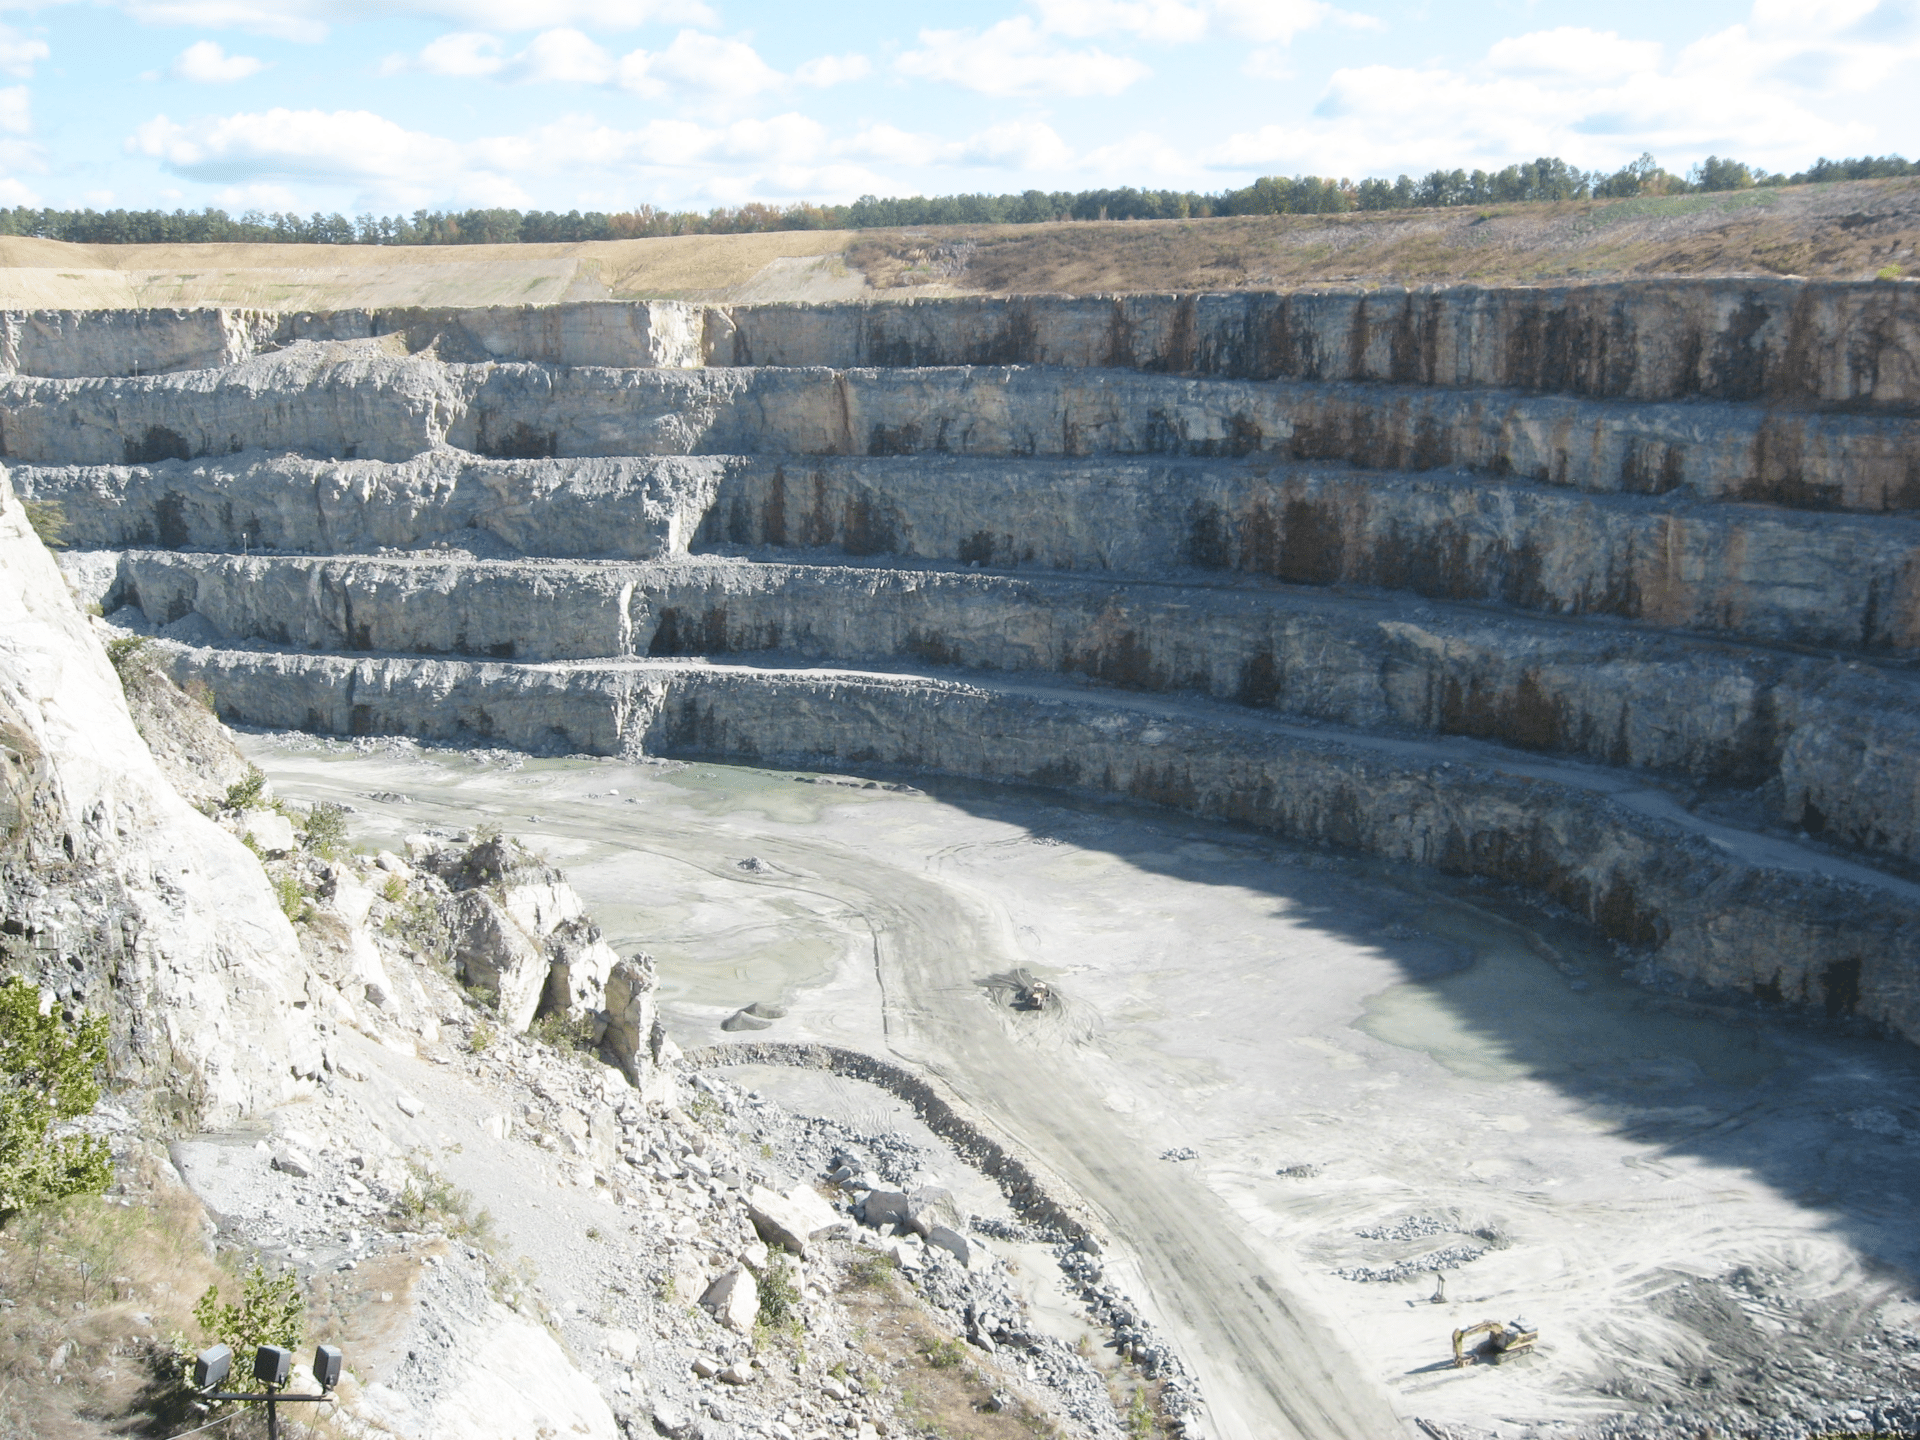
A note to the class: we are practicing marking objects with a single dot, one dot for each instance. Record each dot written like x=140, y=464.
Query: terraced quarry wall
x=1611, y=592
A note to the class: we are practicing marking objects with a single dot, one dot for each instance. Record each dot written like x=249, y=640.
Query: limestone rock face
x=495, y=954
x=521, y=931
x=126, y=899
x=193, y=749
x=632, y=1013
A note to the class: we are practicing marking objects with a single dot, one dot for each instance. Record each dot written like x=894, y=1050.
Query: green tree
x=49, y=1072
x=271, y=1311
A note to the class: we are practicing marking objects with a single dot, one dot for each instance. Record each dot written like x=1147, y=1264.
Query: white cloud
x=1572, y=51
x=465, y=53
x=274, y=153
x=207, y=64
x=16, y=110
x=1276, y=22
x=708, y=65
x=1015, y=58
x=13, y=192
x=342, y=147
x=18, y=56
x=1174, y=21
x=310, y=20
x=1020, y=145
x=1597, y=99
x=561, y=56
x=1180, y=22
x=728, y=69
x=833, y=70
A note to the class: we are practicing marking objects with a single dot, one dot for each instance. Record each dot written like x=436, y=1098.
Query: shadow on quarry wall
x=1498, y=987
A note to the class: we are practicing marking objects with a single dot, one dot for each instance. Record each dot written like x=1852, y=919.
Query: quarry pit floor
x=1292, y=1085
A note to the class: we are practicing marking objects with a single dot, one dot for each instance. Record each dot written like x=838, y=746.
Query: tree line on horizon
x=1545, y=179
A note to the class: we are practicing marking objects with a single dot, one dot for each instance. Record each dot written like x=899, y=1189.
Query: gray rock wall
x=116, y=895
x=363, y=401
x=1706, y=913
x=1753, y=571
x=1853, y=344
x=1835, y=745
x=637, y=508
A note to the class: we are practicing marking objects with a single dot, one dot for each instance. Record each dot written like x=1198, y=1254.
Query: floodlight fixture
x=273, y=1365
x=211, y=1367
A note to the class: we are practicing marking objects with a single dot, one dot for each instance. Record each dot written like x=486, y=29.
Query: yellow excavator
x=1503, y=1342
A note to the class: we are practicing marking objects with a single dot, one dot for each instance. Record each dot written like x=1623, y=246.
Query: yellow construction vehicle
x=1503, y=1342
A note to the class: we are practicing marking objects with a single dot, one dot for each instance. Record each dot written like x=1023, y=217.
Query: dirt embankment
x=1858, y=229
x=1854, y=230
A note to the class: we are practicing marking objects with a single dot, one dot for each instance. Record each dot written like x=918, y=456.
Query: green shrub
x=563, y=1034
x=271, y=1311
x=944, y=1354
x=779, y=1295
x=293, y=899
x=49, y=1071
x=245, y=793
x=433, y=1200
x=326, y=829
x=869, y=1270
x=483, y=1035
x=128, y=655
x=49, y=521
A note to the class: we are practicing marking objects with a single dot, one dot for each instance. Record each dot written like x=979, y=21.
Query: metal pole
x=273, y=1420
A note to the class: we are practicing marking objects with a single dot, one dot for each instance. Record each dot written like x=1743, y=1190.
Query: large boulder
x=734, y=1299
x=886, y=1207
x=632, y=1013
x=579, y=963
x=794, y=1219
x=495, y=954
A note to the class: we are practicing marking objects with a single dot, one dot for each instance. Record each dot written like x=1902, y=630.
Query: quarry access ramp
x=1608, y=592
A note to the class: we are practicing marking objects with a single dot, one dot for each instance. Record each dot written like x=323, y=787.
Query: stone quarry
x=1606, y=596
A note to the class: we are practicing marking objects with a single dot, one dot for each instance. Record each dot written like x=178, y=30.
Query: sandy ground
x=1380, y=1076
x=785, y=265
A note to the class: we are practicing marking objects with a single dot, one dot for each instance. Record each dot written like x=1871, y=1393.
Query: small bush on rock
x=327, y=829
x=246, y=792
x=293, y=900
x=779, y=1295
x=49, y=521
x=49, y=1069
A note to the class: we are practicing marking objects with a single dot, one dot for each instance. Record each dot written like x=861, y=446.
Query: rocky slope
x=335, y=1049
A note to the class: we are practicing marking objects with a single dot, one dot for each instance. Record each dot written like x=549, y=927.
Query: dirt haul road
x=1269, y=1364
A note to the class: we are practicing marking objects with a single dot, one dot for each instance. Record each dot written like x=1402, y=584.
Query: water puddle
x=1510, y=1014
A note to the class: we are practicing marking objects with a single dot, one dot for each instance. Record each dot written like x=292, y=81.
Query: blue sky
x=389, y=105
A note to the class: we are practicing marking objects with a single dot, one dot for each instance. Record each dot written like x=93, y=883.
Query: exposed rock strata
x=1708, y=915
x=1837, y=743
x=1633, y=459
x=362, y=401
x=1825, y=343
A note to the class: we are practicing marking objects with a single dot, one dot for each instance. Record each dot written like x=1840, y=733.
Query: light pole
x=272, y=1367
